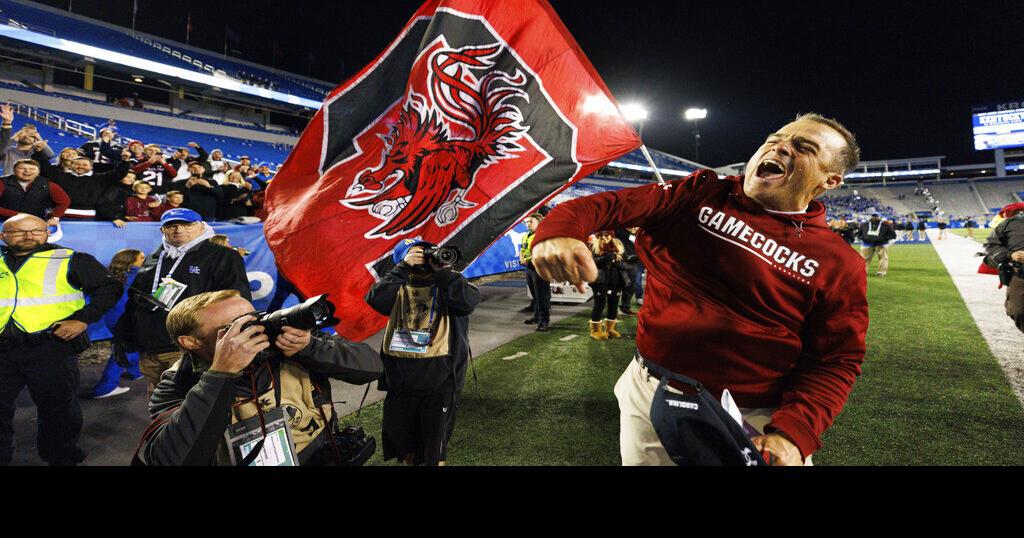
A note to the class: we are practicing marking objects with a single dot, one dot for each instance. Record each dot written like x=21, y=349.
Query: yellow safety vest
x=38, y=294
x=526, y=249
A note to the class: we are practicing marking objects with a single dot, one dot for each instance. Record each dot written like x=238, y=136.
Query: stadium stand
x=79, y=128
x=996, y=194
x=60, y=25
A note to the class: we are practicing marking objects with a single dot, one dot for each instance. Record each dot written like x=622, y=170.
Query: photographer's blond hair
x=182, y=319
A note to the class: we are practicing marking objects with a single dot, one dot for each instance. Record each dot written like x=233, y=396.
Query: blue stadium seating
x=29, y=89
x=57, y=24
x=233, y=148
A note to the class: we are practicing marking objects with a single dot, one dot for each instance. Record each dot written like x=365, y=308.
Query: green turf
x=931, y=392
x=980, y=234
x=552, y=407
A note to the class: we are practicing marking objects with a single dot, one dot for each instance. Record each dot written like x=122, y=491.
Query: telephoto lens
x=316, y=313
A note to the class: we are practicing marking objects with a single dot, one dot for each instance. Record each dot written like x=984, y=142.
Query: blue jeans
x=111, y=377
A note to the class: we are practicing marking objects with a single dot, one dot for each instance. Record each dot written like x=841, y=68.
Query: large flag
x=474, y=116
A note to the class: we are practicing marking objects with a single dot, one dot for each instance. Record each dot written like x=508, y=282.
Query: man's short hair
x=182, y=320
x=172, y=193
x=33, y=162
x=537, y=216
x=850, y=155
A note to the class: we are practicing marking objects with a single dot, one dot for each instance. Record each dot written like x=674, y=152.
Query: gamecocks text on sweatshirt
x=737, y=232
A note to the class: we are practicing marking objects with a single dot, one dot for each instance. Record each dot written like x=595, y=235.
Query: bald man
x=44, y=317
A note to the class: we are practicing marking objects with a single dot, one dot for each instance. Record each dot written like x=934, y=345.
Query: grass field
x=931, y=392
x=980, y=235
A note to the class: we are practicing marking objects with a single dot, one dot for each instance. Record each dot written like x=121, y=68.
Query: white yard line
x=567, y=338
x=985, y=304
x=516, y=356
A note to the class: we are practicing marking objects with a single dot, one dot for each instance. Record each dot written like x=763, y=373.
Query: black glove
x=120, y=354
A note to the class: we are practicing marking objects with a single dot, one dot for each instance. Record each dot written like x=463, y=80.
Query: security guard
x=44, y=317
x=539, y=288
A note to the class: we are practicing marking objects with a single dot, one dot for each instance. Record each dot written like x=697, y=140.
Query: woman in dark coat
x=608, y=255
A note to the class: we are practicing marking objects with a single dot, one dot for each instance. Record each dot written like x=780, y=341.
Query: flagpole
x=135, y=11
x=657, y=174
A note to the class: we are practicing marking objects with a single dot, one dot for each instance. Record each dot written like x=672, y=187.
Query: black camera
x=446, y=255
x=1007, y=270
x=316, y=313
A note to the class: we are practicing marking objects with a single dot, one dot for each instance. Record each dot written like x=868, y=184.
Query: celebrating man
x=748, y=290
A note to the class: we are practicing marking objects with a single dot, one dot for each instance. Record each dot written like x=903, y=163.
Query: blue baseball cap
x=180, y=214
x=403, y=247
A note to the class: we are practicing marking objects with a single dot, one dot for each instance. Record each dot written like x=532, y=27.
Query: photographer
x=223, y=384
x=425, y=352
x=1004, y=250
x=877, y=235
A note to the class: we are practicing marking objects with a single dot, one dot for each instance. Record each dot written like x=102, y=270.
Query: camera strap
x=361, y=402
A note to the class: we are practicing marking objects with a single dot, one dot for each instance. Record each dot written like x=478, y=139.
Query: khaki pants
x=153, y=364
x=883, y=257
x=638, y=442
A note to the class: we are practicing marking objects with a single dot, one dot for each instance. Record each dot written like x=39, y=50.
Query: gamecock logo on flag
x=473, y=117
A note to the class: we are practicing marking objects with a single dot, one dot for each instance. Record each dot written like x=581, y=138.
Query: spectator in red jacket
x=25, y=191
x=140, y=206
x=747, y=290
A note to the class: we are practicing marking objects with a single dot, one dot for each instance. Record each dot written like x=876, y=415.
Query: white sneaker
x=115, y=392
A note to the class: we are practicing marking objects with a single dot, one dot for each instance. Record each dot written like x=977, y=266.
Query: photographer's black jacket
x=417, y=376
x=191, y=407
x=884, y=235
x=207, y=267
x=1005, y=239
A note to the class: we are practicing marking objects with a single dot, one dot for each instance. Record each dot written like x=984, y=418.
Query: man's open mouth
x=771, y=170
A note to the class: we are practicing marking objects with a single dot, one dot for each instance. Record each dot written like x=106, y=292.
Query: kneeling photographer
x=425, y=349
x=251, y=388
x=1004, y=250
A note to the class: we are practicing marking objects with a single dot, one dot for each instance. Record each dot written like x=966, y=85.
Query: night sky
x=902, y=76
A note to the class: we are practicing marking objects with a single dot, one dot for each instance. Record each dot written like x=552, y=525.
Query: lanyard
x=876, y=230
x=159, y=265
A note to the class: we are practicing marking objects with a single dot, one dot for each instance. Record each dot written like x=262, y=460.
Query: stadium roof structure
x=46, y=30
x=916, y=167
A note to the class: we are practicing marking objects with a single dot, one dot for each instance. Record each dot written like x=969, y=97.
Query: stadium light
x=695, y=115
x=635, y=113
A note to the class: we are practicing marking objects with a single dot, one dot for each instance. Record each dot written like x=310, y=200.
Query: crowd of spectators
x=849, y=206
x=102, y=180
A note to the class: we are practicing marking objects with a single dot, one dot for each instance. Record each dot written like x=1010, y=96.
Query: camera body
x=446, y=255
x=1007, y=270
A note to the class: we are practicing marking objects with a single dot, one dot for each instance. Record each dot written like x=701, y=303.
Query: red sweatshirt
x=772, y=307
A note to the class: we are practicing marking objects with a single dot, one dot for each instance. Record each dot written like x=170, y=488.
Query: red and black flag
x=473, y=117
